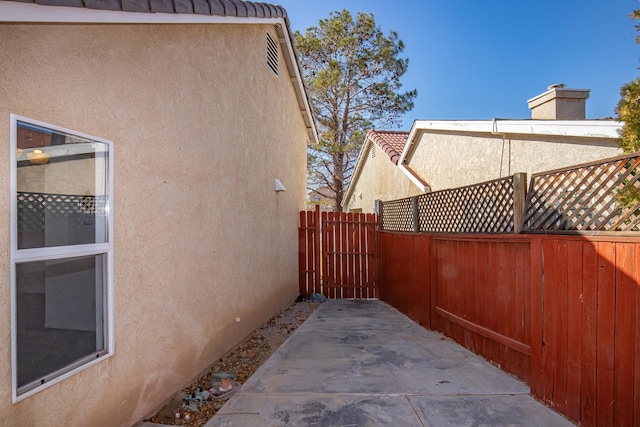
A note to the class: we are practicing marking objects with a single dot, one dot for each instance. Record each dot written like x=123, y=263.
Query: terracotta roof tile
x=237, y=8
x=391, y=142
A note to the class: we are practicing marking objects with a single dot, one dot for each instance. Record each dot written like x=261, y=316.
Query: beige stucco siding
x=379, y=179
x=449, y=160
x=201, y=128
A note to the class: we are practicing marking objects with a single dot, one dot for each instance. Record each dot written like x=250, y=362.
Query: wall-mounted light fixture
x=279, y=186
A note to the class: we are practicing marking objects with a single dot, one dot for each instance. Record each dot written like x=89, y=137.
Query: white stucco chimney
x=558, y=103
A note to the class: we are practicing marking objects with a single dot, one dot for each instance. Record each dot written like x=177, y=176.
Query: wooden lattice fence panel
x=483, y=208
x=488, y=207
x=396, y=215
x=585, y=198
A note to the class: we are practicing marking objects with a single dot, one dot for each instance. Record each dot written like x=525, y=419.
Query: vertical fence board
x=561, y=329
x=422, y=272
x=624, y=325
x=308, y=252
x=549, y=318
x=343, y=282
x=589, y=349
x=486, y=296
x=523, y=313
x=507, y=283
x=356, y=254
x=605, y=338
x=470, y=295
x=303, y=251
x=636, y=340
x=328, y=257
x=574, y=328
x=537, y=285
x=372, y=251
x=492, y=349
x=331, y=263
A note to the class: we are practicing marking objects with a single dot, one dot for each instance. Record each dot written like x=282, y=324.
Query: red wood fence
x=560, y=312
x=337, y=254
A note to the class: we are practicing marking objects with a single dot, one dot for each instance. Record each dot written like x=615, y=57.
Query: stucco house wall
x=379, y=179
x=449, y=160
x=201, y=127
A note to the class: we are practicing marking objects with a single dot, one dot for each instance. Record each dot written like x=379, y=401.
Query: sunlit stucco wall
x=449, y=160
x=379, y=179
x=201, y=128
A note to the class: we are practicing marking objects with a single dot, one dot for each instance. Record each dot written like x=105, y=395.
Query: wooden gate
x=338, y=254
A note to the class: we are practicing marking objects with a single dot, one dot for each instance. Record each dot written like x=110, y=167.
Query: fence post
x=519, y=200
x=317, y=280
x=416, y=217
x=377, y=209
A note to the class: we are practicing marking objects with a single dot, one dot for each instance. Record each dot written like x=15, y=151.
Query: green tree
x=628, y=108
x=352, y=72
x=628, y=111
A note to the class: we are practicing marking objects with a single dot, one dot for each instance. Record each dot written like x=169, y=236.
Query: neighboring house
x=142, y=235
x=377, y=174
x=323, y=196
x=446, y=154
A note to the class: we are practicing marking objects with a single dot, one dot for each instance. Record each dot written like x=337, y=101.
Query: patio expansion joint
x=488, y=394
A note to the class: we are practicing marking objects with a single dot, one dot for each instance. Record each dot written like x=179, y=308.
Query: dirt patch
x=243, y=360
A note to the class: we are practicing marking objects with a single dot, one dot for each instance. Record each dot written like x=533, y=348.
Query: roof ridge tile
x=201, y=7
x=251, y=8
x=241, y=9
x=161, y=6
x=237, y=8
x=97, y=4
x=183, y=6
x=391, y=142
x=229, y=7
x=217, y=7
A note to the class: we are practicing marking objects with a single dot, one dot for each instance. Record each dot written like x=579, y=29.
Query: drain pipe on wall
x=494, y=131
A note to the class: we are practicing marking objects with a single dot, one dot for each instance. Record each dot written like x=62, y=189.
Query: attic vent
x=373, y=151
x=272, y=54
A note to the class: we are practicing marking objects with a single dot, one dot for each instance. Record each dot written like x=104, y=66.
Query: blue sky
x=478, y=60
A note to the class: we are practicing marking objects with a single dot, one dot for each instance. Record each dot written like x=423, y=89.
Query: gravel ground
x=244, y=360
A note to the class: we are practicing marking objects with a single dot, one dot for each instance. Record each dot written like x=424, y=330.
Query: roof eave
x=571, y=128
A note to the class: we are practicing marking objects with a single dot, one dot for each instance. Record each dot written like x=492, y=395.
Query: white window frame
x=56, y=252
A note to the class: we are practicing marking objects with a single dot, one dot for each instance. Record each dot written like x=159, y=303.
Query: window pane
x=62, y=187
x=59, y=316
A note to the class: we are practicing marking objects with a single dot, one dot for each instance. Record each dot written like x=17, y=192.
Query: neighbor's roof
x=391, y=142
x=200, y=7
x=323, y=192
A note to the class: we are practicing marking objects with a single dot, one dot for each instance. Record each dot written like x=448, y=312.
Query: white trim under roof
x=415, y=179
x=568, y=128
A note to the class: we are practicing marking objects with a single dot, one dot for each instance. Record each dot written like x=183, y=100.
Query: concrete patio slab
x=363, y=363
